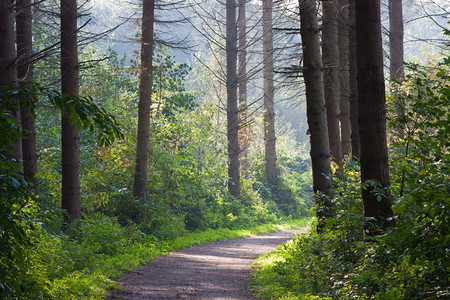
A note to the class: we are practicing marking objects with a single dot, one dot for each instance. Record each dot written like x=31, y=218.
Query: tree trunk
x=269, y=110
x=330, y=56
x=232, y=107
x=70, y=137
x=315, y=105
x=8, y=68
x=396, y=39
x=354, y=135
x=25, y=78
x=242, y=75
x=344, y=78
x=372, y=115
x=145, y=99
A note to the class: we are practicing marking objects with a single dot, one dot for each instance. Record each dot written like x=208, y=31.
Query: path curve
x=219, y=270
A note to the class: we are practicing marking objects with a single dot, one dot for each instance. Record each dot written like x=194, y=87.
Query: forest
x=134, y=128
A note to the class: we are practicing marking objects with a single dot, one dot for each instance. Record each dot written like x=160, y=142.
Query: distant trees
x=344, y=74
x=25, y=78
x=145, y=99
x=330, y=58
x=396, y=39
x=269, y=108
x=242, y=84
x=353, y=85
x=231, y=49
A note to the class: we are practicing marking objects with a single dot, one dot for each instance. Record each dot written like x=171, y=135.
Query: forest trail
x=220, y=270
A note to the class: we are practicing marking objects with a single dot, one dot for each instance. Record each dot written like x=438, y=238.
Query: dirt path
x=213, y=271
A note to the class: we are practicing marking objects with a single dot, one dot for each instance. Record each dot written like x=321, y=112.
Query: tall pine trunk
x=232, y=107
x=396, y=39
x=315, y=106
x=372, y=115
x=344, y=75
x=354, y=135
x=70, y=138
x=8, y=71
x=330, y=57
x=242, y=75
x=269, y=110
x=25, y=78
x=145, y=99
x=8, y=68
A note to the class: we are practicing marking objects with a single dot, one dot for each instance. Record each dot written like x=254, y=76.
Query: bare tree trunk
x=242, y=75
x=344, y=78
x=315, y=104
x=269, y=110
x=70, y=137
x=8, y=65
x=8, y=68
x=25, y=78
x=232, y=108
x=353, y=83
x=396, y=39
x=330, y=56
x=145, y=99
x=372, y=114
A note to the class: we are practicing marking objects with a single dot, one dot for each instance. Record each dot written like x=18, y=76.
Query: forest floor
x=220, y=270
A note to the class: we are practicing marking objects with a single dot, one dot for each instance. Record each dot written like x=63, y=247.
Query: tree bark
x=269, y=110
x=344, y=75
x=232, y=107
x=354, y=135
x=25, y=78
x=145, y=99
x=242, y=75
x=8, y=69
x=315, y=105
x=396, y=39
x=372, y=115
x=70, y=138
x=330, y=56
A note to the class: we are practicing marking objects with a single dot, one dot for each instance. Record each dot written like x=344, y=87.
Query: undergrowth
x=83, y=262
x=408, y=261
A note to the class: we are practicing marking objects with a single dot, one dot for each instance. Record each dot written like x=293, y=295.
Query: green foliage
x=17, y=208
x=168, y=85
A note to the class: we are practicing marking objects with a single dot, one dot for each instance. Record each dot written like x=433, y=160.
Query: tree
x=315, y=105
x=344, y=75
x=269, y=110
x=372, y=116
x=242, y=84
x=70, y=137
x=330, y=57
x=232, y=107
x=145, y=99
x=396, y=39
x=8, y=71
x=25, y=78
x=353, y=84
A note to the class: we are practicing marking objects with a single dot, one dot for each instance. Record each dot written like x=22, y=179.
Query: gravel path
x=218, y=270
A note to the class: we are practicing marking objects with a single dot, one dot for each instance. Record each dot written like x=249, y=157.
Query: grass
x=265, y=281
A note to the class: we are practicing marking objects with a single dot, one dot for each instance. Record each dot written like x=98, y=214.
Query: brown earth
x=219, y=270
